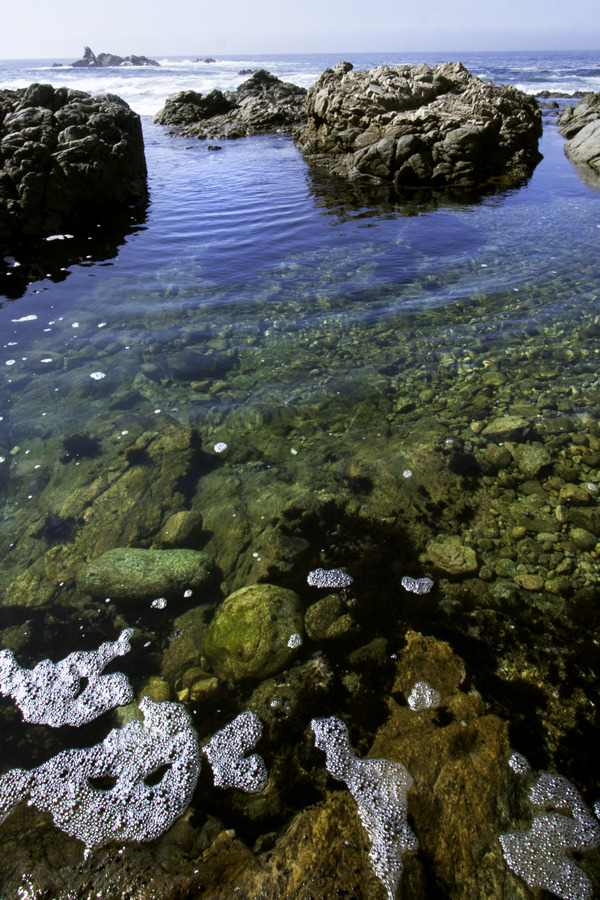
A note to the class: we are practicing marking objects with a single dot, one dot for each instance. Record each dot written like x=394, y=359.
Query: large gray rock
x=261, y=105
x=581, y=126
x=417, y=126
x=65, y=158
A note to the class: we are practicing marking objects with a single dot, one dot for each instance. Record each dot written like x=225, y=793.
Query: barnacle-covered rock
x=423, y=696
x=329, y=578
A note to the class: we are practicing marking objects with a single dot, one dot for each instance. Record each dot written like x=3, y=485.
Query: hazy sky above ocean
x=41, y=29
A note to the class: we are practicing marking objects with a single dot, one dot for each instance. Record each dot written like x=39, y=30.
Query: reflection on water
x=52, y=257
x=407, y=394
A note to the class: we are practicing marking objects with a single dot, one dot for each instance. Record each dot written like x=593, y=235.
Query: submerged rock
x=66, y=158
x=449, y=554
x=261, y=105
x=182, y=529
x=420, y=126
x=248, y=639
x=133, y=574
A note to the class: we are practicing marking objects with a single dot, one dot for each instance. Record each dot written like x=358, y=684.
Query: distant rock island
x=90, y=60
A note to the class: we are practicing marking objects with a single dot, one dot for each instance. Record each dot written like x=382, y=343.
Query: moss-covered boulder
x=133, y=574
x=249, y=637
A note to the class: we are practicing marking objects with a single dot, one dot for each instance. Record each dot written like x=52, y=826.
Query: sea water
x=350, y=352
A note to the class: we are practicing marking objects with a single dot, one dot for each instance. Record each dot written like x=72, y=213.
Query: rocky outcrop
x=65, y=157
x=261, y=105
x=581, y=126
x=90, y=60
x=420, y=126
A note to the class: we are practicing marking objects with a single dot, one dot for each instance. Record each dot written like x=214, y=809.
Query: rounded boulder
x=249, y=636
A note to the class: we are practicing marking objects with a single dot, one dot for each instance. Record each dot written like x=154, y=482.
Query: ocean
x=396, y=389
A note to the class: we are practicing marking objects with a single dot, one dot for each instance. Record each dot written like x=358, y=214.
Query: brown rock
x=327, y=619
x=459, y=800
x=182, y=529
x=449, y=554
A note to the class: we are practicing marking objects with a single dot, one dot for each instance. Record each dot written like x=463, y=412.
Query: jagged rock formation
x=65, y=157
x=261, y=105
x=420, y=126
x=580, y=124
x=90, y=60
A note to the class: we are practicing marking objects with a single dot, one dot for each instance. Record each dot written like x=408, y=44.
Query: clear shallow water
x=333, y=344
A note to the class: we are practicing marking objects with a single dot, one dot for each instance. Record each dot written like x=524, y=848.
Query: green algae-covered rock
x=448, y=553
x=129, y=574
x=249, y=637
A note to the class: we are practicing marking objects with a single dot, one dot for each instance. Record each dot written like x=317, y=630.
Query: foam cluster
x=519, y=764
x=539, y=856
x=417, y=585
x=52, y=694
x=329, y=578
x=380, y=789
x=423, y=696
x=226, y=754
x=131, y=787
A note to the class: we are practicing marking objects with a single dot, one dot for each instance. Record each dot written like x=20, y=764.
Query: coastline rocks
x=261, y=105
x=66, y=158
x=249, y=637
x=581, y=126
x=420, y=126
x=133, y=574
x=90, y=60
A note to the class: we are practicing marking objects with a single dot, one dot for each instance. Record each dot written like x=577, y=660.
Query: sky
x=59, y=29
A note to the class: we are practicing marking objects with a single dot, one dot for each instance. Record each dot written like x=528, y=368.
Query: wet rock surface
x=580, y=124
x=65, y=157
x=419, y=126
x=261, y=105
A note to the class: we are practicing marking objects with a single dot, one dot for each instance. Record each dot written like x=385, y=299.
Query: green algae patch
x=249, y=637
x=134, y=574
